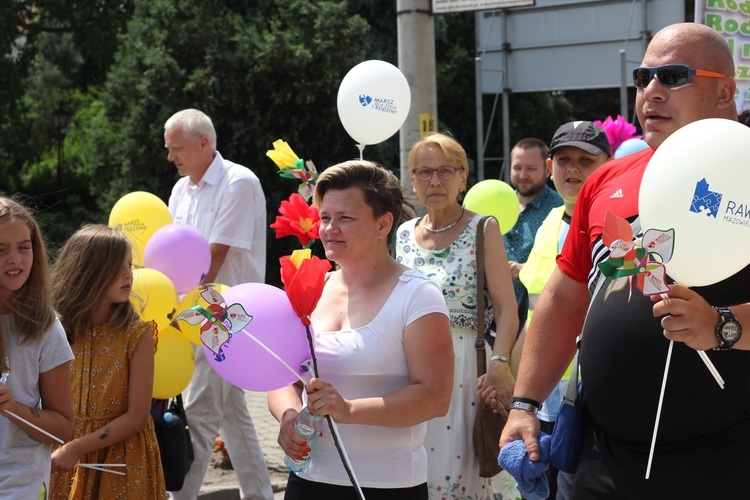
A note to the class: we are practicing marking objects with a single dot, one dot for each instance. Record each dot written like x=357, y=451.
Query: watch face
x=730, y=331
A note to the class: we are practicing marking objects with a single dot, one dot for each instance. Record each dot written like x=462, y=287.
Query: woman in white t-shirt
x=383, y=345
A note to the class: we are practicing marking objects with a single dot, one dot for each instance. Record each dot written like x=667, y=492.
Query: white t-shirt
x=369, y=361
x=228, y=207
x=25, y=462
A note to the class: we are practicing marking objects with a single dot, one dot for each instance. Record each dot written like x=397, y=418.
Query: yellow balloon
x=174, y=363
x=154, y=296
x=139, y=214
x=193, y=298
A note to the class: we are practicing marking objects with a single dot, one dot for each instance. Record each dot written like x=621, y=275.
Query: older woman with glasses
x=442, y=245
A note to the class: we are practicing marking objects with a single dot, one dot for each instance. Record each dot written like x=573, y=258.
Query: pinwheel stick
x=103, y=469
x=331, y=423
x=57, y=439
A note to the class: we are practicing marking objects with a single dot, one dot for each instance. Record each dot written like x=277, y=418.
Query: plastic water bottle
x=307, y=427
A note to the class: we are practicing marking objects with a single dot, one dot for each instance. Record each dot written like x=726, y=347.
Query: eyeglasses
x=670, y=75
x=426, y=173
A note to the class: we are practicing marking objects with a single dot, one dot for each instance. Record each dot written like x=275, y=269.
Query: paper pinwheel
x=291, y=167
x=218, y=321
x=631, y=259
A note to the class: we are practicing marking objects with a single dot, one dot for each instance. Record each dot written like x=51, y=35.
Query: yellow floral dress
x=99, y=381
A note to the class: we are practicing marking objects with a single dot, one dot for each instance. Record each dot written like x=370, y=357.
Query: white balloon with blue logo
x=373, y=101
x=698, y=183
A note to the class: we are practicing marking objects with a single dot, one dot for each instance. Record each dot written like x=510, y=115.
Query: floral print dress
x=99, y=383
x=453, y=469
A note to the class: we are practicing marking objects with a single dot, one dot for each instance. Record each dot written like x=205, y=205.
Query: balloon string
x=361, y=148
x=704, y=357
x=331, y=423
x=658, y=409
x=276, y=356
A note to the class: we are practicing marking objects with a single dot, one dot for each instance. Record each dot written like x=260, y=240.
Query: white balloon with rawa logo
x=698, y=183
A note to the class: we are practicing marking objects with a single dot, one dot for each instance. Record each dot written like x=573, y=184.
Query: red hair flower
x=297, y=219
x=618, y=130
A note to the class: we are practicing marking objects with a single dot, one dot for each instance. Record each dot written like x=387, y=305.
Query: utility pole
x=416, y=60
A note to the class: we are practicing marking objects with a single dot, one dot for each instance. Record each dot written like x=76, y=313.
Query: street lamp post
x=60, y=117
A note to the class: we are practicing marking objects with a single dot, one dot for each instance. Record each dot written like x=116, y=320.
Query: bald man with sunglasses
x=703, y=446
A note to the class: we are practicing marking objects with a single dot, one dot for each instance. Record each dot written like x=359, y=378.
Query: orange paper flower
x=297, y=219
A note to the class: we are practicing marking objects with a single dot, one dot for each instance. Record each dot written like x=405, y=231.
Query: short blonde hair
x=450, y=147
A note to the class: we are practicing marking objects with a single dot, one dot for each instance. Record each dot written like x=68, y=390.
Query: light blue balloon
x=630, y=146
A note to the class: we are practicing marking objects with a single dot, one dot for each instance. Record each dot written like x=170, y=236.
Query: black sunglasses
x=670, y=75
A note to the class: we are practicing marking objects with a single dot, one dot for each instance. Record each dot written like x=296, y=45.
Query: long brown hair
x=30, y=307
x=82, y=274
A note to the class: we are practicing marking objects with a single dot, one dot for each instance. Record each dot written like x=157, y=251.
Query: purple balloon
x=242, y=361
x=181, y=253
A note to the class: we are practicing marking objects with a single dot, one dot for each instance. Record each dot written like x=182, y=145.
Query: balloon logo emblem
x=365, y=100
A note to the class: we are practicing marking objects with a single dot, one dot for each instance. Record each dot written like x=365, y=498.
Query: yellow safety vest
x=542, y=261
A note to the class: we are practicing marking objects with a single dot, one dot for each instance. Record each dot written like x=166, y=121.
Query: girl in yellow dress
x=112, y=374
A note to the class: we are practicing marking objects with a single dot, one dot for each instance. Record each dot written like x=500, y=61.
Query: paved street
x=225, y=487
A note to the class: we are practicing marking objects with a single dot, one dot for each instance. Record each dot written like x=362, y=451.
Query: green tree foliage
x=15, y=56
x=261, y=70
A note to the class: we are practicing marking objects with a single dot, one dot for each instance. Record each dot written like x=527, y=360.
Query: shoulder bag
x=175, y=445
x=573, y=418
x=488, y=425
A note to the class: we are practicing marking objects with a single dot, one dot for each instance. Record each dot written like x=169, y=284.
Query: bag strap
x=181, y=408
x=481, y=329
x=572, y=391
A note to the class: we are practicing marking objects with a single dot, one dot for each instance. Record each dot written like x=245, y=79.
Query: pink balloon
x=181, y=253
x=242, y=361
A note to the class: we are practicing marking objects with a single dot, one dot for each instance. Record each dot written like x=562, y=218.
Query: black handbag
x=175, y=445
x=488, y=425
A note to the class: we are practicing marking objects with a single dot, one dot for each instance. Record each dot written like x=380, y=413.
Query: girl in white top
x=384, y=349
x=34, y=359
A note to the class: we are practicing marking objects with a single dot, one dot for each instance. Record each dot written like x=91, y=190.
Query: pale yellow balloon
x=154, y=296
x=174, y=363
x=138, y=215
x=190, y=299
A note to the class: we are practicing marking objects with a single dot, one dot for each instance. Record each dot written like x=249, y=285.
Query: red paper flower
x=297, y=219
x=303, y=279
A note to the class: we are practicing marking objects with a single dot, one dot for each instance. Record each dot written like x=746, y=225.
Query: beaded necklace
x=443, y=229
